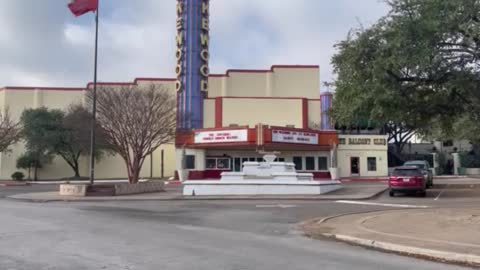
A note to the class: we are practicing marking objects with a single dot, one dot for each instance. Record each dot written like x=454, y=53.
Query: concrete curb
x=14, y=184
x=195, y=198
x=437, y=255
x=443, y=256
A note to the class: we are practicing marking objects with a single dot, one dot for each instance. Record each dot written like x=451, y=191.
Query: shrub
x=469, y=160
x=18, y=176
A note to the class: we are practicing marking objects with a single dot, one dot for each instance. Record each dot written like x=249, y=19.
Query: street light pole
x=94, y=101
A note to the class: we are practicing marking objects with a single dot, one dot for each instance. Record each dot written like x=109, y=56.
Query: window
x=189, y=162
x=298, y=163
x=223, y=163
x=211, y=163
x=372, y=164
x=310, y=163
x=406, y=172
x=322, y=164
x=448, y=143
x=220, y=163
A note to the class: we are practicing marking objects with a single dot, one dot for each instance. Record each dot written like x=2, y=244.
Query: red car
x=407, y=179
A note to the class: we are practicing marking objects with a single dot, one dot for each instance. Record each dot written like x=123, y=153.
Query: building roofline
x=136, y=80
x=42, y=88
x=272, y=68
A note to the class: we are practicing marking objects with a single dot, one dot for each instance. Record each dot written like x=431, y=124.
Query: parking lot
x=445, y=192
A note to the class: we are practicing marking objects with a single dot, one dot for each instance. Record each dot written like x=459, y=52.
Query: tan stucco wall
x=314, y=113
x=19, y=100
x=346, y=151
x=276, y=112
x=216, y=86
x=246, y=84
x=110, y=167
x=278, y=82
x=296, y=82
x=208, y=113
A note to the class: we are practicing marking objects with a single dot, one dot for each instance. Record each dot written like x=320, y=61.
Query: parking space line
x=383, y=204
x=441, y=192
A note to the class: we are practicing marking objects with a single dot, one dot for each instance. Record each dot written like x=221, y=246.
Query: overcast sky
x=42, y=44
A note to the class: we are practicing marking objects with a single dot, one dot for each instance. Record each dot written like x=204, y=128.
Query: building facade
x=245, y=113
x=16, y=99
x=249, y=112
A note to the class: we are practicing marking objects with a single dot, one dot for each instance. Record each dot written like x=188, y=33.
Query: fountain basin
x=258, y=187
x=261, y=178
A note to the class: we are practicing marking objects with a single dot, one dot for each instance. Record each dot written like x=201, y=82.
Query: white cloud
x=52, y=47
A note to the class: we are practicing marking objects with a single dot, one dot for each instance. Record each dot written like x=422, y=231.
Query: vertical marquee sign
x=192, y=61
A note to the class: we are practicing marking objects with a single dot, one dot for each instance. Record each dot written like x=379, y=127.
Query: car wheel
x=423, y=193
x=391, y=193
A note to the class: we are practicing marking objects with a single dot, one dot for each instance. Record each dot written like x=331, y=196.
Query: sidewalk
x=348, y=192
x=58, y=182
x=451, y=235
x=8, y=183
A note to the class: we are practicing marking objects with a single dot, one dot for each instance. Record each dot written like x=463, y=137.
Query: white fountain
x=262, y=178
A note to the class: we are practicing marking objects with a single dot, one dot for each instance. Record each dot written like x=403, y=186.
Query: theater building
x=244, y=112
x=226, y=119
x=250, y=111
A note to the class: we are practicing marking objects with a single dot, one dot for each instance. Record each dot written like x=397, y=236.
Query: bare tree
x=10, y=131
x=136, y=121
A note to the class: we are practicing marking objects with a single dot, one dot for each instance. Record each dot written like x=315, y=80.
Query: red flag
x=80, y=7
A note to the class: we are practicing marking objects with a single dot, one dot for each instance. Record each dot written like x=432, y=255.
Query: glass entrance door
x=237, y=164
x=355, y=166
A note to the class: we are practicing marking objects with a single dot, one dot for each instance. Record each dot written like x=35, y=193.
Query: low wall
x=73, y=190
x=472, y=171
x=145, y=187
x=81, y=190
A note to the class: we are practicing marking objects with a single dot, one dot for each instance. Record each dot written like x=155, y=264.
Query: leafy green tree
x=42, y=128
x=53, y=132
x=416, y=67
x=74, y=140
x=27, y=161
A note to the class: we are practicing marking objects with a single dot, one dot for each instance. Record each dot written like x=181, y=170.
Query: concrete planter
x=472, y=171
x=76, y=190
x=82, y=190
x=146, y=187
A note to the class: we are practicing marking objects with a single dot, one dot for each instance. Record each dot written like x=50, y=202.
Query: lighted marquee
x=192, y=54
x=203, y=43
x=287, y=136
x=224, y=136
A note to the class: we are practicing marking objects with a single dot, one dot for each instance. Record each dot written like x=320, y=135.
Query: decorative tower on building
x=192, y=56
x=326, y=99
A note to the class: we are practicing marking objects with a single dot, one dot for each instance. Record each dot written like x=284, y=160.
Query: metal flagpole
x=94, y=105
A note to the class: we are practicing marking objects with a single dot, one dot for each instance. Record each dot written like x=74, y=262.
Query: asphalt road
x=237, y=235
